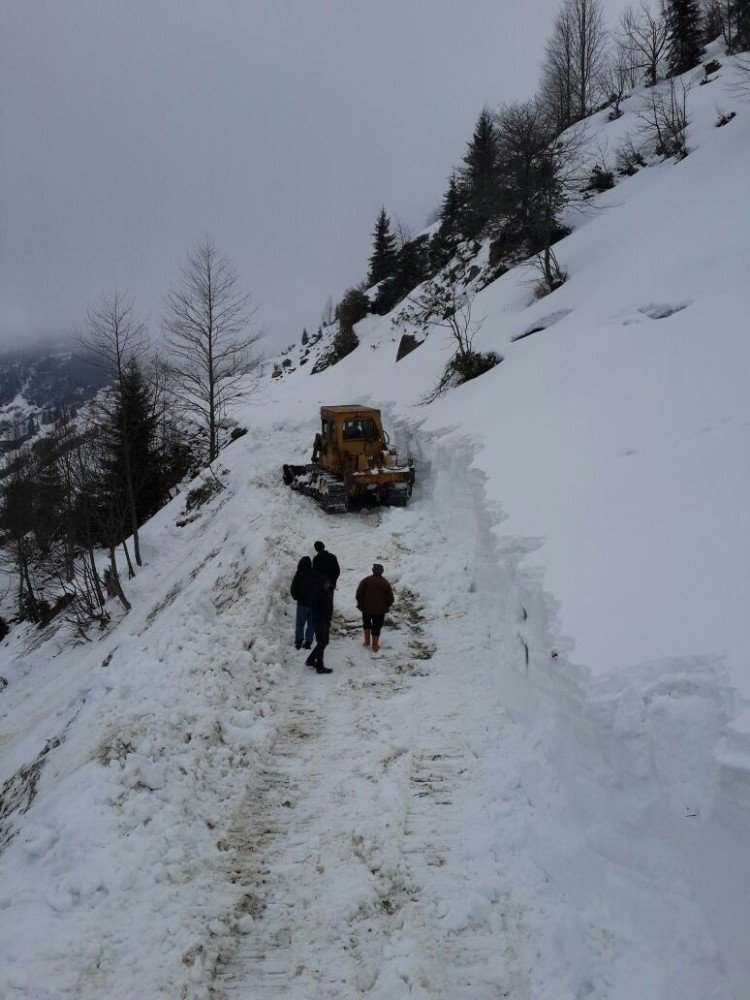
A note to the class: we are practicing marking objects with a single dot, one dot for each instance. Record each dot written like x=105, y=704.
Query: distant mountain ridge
x=38, y=384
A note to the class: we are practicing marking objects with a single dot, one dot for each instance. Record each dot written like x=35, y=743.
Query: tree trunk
x=131, y=571
x=95, y=576
x=115, y=580
x=131, y=501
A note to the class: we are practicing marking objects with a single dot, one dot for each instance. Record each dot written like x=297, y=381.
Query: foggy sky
x=128, y=128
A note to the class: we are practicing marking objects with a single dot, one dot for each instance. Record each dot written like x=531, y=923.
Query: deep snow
x=541, y=789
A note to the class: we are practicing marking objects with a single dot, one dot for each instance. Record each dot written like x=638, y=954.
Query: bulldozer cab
x=351, y=437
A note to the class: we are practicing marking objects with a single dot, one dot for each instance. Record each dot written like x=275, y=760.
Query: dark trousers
x=304, y=624
x=373, y=623
x=322, y=637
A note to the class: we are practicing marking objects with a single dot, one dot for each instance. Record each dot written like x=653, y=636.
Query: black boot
x=323, y=670
x=298, y=644
x=306, y=645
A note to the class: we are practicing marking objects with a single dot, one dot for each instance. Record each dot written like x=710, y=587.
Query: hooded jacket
x=305, y=581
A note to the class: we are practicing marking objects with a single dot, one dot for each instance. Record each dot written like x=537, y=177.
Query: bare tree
x=447, y=304
x=403, y=233
x=617, y=77
x=644, y=32
x=741, y=84
x=723, y=17
x=449, y=307
x=17, y=524
x=542, y=173
x=207, y=325
x=590, y=35
x=664, y=120
x=557, y=89
x=574, y=59
x=328, y=316
x=114, y=338
x=102, y=504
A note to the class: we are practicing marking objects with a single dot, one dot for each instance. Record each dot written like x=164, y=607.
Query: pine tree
x=142, y=426
x=413, y=265
x=305, y=338
x=740, y=11
x=383, y=257
x=131, y=413
x=685, y=30
x=713, y=21
x=449, y=230
x=480, y=176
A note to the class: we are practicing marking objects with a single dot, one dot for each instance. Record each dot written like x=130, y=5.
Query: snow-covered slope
x=542, y=788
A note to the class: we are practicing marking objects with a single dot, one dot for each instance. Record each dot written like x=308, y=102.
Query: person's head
x=377, y=569
x=305, y=563
x=325, y=583
x=319, y=546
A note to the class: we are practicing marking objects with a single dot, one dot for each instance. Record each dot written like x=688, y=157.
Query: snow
x=541, y=787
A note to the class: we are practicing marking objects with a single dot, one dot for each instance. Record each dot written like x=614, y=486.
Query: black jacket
x=327, y=564
x=303, y=585
x=321, y=603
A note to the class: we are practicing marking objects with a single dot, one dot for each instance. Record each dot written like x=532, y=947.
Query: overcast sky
x=130, y=127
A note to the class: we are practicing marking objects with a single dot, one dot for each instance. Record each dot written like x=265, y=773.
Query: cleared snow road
x=346, y=847
x=421, y=824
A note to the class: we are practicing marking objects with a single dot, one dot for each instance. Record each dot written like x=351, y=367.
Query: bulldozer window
x=359, y=430
x=327, y=429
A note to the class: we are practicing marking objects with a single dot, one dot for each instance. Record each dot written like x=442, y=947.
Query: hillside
x=38, y=384
x=540, y=788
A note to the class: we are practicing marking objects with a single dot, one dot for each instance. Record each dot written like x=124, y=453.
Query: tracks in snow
x=348, y=848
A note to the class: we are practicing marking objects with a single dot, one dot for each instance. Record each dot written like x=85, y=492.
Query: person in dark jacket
x=305, y=581
x=326, y=563
x=322, y=609
x=374, y=599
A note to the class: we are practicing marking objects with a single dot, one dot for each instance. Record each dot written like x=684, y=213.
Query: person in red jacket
x=374, y=599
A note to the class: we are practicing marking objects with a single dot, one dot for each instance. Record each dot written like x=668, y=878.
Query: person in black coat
x=305, y=582
x=326, y=563
x=322, y=609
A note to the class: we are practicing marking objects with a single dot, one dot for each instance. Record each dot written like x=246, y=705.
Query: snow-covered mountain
x=40, y=382
x=541, y=788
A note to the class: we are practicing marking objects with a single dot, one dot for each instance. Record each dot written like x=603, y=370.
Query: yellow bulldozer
x=352, y=462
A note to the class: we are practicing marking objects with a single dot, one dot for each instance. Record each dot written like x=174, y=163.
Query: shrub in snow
x=664, y=120
x=4, y=628
x=629, y=158
x=551, y=273
x=469, y=366
x=200, y=495
x=238, y=432
x=723, y=118
x=601, y=179
x=463, y=367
